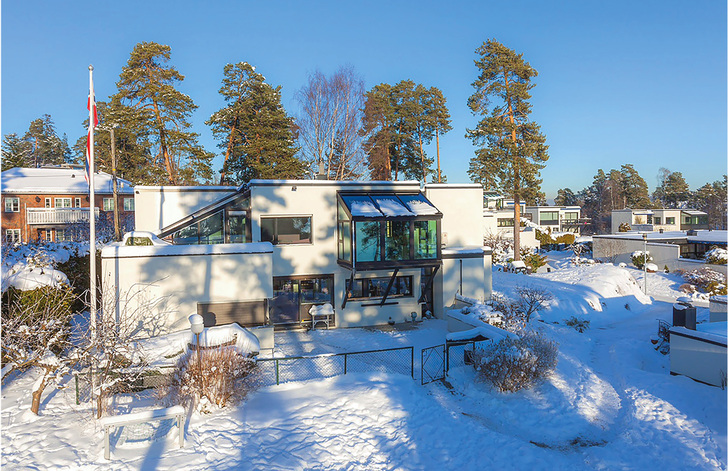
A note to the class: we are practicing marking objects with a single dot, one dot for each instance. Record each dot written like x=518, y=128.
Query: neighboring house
x=377, y=252
x=556, y=218
x=659, y=220
x=674, y=249
x=49, y=203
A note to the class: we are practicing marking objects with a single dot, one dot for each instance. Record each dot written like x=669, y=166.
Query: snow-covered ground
x=611, y=403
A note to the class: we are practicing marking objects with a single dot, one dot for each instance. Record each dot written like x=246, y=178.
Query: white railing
x=58, y=215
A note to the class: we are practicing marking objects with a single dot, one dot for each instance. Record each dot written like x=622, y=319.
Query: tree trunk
x=227, y=155
x=437, y=140
x=516, y=182
x=38, y=393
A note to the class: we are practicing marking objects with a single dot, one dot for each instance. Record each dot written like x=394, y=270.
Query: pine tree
x=44, y=145
x=566, y=197
x=712, y=198
x=673, y=191
x=511, y=149
x=131, y=146
x=399, y=121
x=633, y=188
x=15, y=152
x=254, y=130
x=148, y=103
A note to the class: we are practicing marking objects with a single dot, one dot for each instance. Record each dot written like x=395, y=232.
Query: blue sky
x=619, y=82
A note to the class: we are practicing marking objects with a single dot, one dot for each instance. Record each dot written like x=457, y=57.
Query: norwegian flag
x=91, y=106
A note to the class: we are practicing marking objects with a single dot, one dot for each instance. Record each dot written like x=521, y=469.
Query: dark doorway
x=293, y=297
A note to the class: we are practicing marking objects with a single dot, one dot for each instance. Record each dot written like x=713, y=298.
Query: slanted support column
x=389, y=286
x=347, y=291
x=428, y=284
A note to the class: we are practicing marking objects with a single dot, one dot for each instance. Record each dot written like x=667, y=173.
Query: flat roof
x=59, y=180
x=706, y=236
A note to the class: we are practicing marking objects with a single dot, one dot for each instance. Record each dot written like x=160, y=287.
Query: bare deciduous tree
x=330, y=121
x=532, y=300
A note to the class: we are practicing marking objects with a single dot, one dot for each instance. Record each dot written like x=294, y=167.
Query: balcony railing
x=58, y=215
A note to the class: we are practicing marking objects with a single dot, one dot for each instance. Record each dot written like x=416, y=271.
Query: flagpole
x=92, y=197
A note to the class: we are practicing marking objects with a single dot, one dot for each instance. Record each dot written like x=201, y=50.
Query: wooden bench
x=109, y=423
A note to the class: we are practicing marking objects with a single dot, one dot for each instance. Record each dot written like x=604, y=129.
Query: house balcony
x=58, y=215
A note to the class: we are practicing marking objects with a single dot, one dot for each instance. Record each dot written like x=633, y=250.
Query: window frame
x=275, y=235
x=669, y=221
x=63, y=200
x=12, y=204
x=77, y=202
x=394, y=292
x=48, y=203
x=129, y=204
x=14, y=238
x=104, y=205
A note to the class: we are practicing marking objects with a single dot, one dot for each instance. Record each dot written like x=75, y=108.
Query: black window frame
x=382, y=262
x=394, y=292
x=276, y=219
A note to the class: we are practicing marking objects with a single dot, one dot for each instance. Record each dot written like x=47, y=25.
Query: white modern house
x=556, y=218
x=659, y=220
x=265, y=254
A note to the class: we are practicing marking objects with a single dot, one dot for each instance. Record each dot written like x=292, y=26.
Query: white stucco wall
x=167, y=282
x=156, y=207
x=462, y=213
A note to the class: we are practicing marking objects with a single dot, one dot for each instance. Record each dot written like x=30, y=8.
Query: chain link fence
x=460, y=353
x=302, y=368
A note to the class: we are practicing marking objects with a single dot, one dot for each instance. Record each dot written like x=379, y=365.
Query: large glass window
x=186, y=236
x=236, y=227
x=505, y=222
x=571, y=216
x=368, y=241
x=396, y=240
x=425, y=239
x=367, y=288
x=670, y=221
x=549, y=217
x=210, y=229
x=286, y=230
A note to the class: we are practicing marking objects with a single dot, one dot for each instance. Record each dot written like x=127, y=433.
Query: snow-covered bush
x=502, y=247
x=36, y=328
x=625, y=227
x=639, y=258
x=580, y=325
x=211, y=377
x=716, y=256
x=544, y=237
x=706, y=280
x=514, y=315
x=513, y=364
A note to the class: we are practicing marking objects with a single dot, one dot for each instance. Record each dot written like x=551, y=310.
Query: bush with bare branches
x=513, y=364
x=211, y=377
x=532, y=300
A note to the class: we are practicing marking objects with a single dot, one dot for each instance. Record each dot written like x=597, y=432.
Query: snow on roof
x=390, y=206
x=59, y=180
x=465, y=250
x=710, y=237
x=119, y=251
x=694, y=212
x=361, y=205
x=711, y=331
x=418, y=204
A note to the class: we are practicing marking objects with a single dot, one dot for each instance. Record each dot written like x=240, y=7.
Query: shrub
x=35, y=302
x=544, y=237
x=625, y=227
x=532, y=300
x=580, y=325
x=716, y=256
x=567, y=239
x=514, y=364
x=215, y=376
x=706, y=280
x=533, y=259
x=639, y=259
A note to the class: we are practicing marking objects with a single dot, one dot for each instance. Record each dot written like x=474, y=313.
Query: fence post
x=345, y=358
x=412, y=362
x=78, y=400
x=277, y=376
x=447, y=357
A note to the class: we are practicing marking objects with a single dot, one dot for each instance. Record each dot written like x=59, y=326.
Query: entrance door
x=294, y=296
x=284, y=306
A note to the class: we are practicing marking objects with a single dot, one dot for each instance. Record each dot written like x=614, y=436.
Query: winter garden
x=573, y=382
